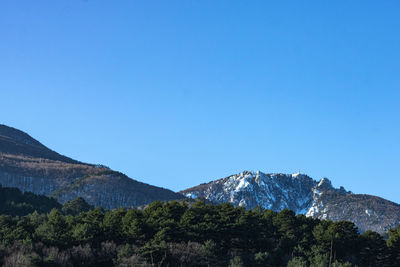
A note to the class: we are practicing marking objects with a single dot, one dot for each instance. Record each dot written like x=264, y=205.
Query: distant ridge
x=302, y=194
x=27, y=164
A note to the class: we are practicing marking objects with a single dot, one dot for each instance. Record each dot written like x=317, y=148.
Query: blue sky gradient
x=176, y=93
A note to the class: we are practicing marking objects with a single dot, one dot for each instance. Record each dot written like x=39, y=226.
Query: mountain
x=302, y=194
x=27, y=164
x=16, y=142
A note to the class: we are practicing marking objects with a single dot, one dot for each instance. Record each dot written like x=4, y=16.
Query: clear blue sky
x=176, y=93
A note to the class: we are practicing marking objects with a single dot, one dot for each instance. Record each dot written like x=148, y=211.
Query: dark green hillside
x=15, y=203
x=176, y=234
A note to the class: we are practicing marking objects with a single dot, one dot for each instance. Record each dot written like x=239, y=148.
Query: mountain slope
x=302, y=194
x=16, y=142
x=30, y=166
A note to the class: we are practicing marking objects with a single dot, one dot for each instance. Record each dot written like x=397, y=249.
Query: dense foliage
x=176, y=234
x=14, y=202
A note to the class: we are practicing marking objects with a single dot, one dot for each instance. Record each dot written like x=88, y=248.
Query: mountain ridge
x=303, y=195
x=17, y=142
x=27, y=164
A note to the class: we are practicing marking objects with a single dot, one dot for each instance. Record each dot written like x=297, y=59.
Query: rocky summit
x=27, y=164
x=302, y=194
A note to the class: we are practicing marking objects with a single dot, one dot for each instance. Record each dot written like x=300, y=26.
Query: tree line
x=188, y=234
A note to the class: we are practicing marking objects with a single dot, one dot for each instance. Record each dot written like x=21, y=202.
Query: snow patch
x=191, y=195
x=368, y=212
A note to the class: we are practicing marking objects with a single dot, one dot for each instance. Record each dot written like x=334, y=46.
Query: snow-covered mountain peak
x=251, y=189
x=300, y=193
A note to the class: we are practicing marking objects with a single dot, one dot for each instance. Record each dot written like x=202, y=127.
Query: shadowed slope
x=30, y=166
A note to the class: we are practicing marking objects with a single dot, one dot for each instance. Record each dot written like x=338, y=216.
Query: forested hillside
x=14, y=202
x=176, y=234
